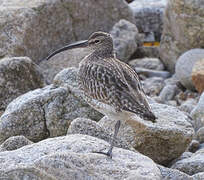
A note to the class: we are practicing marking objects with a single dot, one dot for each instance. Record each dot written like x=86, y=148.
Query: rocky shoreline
x=47, y=130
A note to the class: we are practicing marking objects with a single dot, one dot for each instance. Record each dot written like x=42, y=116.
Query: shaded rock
x=26, y=30
x=172, y=80
x=194, y=145
x=188, y=105
x=91, y=128
x=198, y=176
x=146, y=51
x=201, y=146
x=126, y=39
x=198, y=75
x=18, y=75
x=173, y=174
x=149, y=16
x=182, y=30
x=22, y=172
x=46, y=112
x=171, y=103
x=183, y=96
x=152, y=73
x=185, y=64
x=191, y=165
x=14, y=142
x=147, y=63
x=198, y=114
x=186, y=154
x=200, y=135
x=168, y=92
x=162, y=141
x=153, y=86
x=72, y=157
x=64, y=59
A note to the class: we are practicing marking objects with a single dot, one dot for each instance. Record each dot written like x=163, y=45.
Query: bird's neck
x=104, y=53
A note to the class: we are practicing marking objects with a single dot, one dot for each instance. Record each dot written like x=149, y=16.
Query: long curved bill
x=78, y=44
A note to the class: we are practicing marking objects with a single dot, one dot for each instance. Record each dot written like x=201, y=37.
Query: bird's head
x=99, y=42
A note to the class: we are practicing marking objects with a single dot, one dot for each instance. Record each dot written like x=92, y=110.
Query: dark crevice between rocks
x=46, y=130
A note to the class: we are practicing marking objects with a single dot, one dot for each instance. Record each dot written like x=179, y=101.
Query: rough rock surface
x=198, y=176
x=126, y=39
x=25, y=29
x=198, y=114
x=148, y=63
x=14, y=142
x=162, y=141
x=46, y=112
x=183, y=30
x=92, y=128
x=149, y=16
x=72, y=157
x=200, y=135
x=156, y=84
x=173, y=174
x=188, y=105
x=152, y=73
x=168, y=92
x=198, y=75
x=185, y=64
x=18, y=75
x=191, y=165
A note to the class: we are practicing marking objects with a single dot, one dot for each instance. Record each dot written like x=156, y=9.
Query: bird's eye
x=96, y=41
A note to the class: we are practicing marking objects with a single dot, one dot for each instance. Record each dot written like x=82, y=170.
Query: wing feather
x=117, y=84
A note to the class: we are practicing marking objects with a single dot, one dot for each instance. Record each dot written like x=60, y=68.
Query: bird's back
x=114, y=83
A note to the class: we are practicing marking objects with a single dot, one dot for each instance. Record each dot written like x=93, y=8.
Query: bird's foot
x=109, y=153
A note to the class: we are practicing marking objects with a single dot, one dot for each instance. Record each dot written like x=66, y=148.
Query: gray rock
x=198, y=114
x=153, y=86
x=162, y=141
x=198, y=176
x=126, y=39
x=185, y=155
x=72, y=157
x=147, y=63
x=188, y=105
x=152, y=73
x=191, y=165
x=201, y=146
x=91, y=128
x=46, y=112
x=18, y=75
x=168, y=92
x=149, y=15
x=173, y=80
x=173, y=174
x=22, y=172
x=200, y=135
x=26, y=30
x=64, y=59
x=181, y=34
x=171, y=103
x=184, y=66
x=14, y=142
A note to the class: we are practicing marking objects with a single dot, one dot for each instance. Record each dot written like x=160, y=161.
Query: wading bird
x=109, y=85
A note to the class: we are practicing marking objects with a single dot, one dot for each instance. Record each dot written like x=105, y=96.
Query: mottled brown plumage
x=110, y=81
x=109, y=85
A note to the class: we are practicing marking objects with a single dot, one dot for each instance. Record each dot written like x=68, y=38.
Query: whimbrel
x=109, y=85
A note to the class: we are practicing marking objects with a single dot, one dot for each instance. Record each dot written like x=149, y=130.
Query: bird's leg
x=109, y=153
